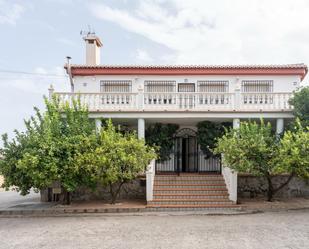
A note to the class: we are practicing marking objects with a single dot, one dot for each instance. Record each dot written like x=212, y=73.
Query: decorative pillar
x=50, y=92
x=140, y=95
x=237, y=96
x=236, y=123
x=279, y=126
x=98, y=124
x=141, y=128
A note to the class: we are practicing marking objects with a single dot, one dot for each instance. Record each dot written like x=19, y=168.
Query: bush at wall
x=208, y=133
x=161, y=136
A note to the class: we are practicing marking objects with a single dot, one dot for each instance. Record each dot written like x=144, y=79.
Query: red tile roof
x=287, y=69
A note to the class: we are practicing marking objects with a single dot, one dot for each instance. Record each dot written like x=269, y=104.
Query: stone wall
x=135, y=189
x=252, y=186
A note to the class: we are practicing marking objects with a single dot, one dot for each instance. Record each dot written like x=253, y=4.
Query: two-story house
x=140, y=95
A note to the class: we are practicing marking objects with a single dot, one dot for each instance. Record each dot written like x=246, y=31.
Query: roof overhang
x=291, y=69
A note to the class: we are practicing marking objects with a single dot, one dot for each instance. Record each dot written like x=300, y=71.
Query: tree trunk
x=284, y=184
x=66, y=197
x=270, y=191
x=114, y=194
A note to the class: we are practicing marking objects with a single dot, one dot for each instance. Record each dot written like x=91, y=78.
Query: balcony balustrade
x=175, y=101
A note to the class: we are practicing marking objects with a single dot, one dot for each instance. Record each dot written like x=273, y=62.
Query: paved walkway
x=267, y=230
x=11, y=200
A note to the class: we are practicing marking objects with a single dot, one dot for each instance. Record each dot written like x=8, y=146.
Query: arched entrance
x=187, y=156
x=186, y=150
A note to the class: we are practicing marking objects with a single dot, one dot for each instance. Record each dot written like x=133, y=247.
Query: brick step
x=189, y=201
x=186, y=181
x=198, y=186
x=190, y=190
x=193, y=177
x=191, y=196
x=190, y=206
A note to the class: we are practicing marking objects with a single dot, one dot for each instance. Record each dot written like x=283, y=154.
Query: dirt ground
x=254, y=231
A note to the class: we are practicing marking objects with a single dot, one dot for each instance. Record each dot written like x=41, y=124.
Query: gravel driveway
x=268, y=230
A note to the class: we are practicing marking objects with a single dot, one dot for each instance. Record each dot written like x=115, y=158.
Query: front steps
x=190, y=192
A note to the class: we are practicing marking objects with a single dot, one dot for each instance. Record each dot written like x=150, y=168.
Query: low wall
x=252, y=186
x=135, y=189
x=1, y=182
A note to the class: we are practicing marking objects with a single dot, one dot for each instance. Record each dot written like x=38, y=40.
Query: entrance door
x=186, y=153
x=189, y=154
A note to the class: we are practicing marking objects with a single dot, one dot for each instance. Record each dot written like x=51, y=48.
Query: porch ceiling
x=179, y=121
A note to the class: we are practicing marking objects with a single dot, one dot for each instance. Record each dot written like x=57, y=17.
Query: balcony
x=174, y=102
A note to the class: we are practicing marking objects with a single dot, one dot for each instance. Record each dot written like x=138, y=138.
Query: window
x=186, y=87
x=116, y=86
x=152, y=86
x=257, y=86
x=213, y=86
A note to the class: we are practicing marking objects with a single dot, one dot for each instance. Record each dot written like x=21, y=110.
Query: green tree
x=293, y=153
x=45, y=152
x=254, y=149
x=207, y=135
x=117, y=158
x=300, y=103
x=160, y=136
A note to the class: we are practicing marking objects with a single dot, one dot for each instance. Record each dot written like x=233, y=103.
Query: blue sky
x=37, y=35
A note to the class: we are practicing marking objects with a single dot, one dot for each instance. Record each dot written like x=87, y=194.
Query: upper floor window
x=116, y=86
x=186, y=87
x=213, y=86
x=152, y=86
x=257, y=86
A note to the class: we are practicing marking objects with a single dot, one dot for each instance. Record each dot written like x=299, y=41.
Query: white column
x=236, y=123
x=141, y=128
x=140, y=94
x=98, y=124
x=237, y=97
x=50, y=92
x=279, y=126
x=150, y=174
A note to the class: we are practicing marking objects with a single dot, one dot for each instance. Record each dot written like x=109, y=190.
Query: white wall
x=281, y=83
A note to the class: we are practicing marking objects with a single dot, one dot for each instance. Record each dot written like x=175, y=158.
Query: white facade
x=228, y=97
x=91, y=84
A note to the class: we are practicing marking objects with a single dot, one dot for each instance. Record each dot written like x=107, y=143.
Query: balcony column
x=237, y=91
x=98, y=125
x=140, y=96
x=141, y=128
x=279, y=126
x=50, y=92
x=236, y=123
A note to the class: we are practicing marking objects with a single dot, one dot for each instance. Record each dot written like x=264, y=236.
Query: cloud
x=66, y=41
x=143, y=56
x=19, y=93
x=10, y=12
x=219, y=32
x=35, y=82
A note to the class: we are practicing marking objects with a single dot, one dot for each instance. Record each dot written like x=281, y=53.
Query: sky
x=37, y=35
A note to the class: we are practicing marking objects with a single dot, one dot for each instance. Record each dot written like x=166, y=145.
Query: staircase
x=190, y=192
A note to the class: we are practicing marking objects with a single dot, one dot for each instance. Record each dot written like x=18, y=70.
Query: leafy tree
x=207, y=135
x=117, y=158
x=300, y=102
x=46, y=151
x=160, y=136
x=254, y=149
x=293, y=153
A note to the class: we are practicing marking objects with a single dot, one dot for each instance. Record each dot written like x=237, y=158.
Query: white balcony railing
x=182, y=101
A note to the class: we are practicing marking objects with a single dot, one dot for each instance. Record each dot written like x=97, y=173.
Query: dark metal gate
x=187, y=156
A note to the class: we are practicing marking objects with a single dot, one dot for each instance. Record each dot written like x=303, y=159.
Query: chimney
x=93, y=45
